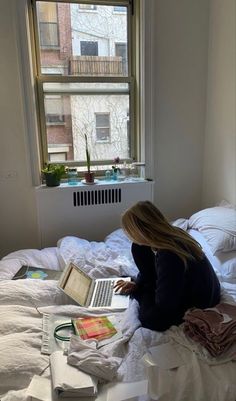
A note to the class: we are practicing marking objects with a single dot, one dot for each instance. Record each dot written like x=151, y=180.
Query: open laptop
x=92, y=293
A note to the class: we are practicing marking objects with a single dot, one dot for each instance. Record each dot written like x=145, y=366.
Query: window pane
x=105, y=120
x=54, y=110
x=103, y=134
x=47, y=12
x=88, y=48
x=102, y=120
x=120, y=9
x=103, y=127
x=87, y=7
x=57, y=157
x=85, y=87
x=48, y=34
x=85, y=41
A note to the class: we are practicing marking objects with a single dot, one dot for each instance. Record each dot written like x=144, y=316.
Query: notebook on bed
x=92, y=293
x=37, y=273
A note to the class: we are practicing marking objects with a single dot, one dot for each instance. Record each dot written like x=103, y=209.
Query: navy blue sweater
x=166, y=288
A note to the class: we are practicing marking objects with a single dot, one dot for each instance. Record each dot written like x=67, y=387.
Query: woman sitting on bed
x=174, y=273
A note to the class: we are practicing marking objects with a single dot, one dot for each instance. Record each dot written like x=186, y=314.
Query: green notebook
x=33, y=272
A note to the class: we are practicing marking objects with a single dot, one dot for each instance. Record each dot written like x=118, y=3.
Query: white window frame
x=133, y=80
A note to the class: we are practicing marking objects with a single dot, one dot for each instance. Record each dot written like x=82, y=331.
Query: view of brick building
x=85, y=40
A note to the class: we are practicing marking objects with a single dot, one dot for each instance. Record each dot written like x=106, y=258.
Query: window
x=48, y=30
x=57, y=157
x=102, y=127
x=54, y=110
x=88, y=48
x=86, y=7
x=120, y=9
x=89, y=85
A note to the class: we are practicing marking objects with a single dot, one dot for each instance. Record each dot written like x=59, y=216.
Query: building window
x=87, y=7
x=48, y=24
x=102, y=127
x=120, y=9
x=94, y=70
x=88, y=48
x=54, y=110
x=57, y=157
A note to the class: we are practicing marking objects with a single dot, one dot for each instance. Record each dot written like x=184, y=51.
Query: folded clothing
x=84, y=355
x=214, y=328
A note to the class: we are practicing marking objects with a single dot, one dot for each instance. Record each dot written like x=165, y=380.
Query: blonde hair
x=146, y=225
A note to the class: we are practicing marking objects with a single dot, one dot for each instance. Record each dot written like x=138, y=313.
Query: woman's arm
x=144, y=259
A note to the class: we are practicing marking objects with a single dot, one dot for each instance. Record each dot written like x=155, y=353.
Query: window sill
x=99, y=182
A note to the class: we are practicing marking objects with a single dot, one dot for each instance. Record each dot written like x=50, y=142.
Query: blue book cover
x=33, y=272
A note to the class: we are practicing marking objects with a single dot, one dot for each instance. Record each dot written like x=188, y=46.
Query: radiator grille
x=97, y=197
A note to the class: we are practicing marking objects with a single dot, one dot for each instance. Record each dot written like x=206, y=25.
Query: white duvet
x=22, y=303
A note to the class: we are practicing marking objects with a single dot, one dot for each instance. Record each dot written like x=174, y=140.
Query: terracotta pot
x=89, y=177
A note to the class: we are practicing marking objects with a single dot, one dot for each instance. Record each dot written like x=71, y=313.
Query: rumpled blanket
x=84, y=355
x=214, y=328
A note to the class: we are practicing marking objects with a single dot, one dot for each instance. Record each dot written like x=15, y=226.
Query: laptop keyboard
x=104, y=291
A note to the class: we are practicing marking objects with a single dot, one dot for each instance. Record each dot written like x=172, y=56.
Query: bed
x=23, y=303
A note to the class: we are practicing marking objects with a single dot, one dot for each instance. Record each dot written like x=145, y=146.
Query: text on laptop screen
x=77, y=286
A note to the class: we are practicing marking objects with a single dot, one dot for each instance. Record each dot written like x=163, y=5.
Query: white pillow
x=218, y=226
x=227, y=264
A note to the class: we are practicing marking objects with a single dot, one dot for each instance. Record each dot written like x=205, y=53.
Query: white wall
x=220, y=147
x=17, y=204
x=179, y=71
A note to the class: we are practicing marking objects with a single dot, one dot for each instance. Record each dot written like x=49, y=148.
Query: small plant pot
x=89, y=177
x=52, y=180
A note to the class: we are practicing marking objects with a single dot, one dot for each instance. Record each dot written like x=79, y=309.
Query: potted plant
x=53, y=173
x=88, y=175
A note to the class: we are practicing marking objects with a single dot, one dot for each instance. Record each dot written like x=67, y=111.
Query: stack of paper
x=68, y=381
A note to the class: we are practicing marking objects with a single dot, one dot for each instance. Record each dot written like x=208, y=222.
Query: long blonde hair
x=146, y=225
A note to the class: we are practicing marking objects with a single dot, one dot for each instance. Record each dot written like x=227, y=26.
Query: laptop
x=34, y=272
x=92, y=293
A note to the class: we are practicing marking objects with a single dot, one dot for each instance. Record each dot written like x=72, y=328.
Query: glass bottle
x=72, y=176
x=108, y=175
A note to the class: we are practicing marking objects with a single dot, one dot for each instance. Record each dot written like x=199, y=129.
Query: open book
x=68, y=381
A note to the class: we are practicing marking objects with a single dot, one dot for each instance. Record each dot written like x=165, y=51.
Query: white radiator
x=89, y=212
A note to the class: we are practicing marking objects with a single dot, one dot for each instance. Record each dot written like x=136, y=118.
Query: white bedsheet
x=22, y=303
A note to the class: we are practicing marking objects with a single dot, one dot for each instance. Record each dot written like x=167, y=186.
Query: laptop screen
x=76, y=284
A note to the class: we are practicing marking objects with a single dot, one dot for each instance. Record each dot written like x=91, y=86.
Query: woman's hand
x=125, y=287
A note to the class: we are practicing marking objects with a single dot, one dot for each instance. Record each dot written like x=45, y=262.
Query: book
x=99, y=327
x=33, y=272
x=105, y=329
